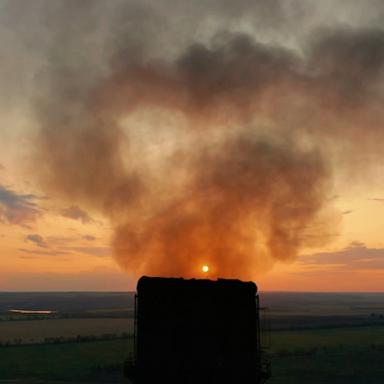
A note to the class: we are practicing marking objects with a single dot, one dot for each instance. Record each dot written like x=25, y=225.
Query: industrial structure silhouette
x=197, y=331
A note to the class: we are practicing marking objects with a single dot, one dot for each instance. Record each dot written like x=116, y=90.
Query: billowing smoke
x=217, y=152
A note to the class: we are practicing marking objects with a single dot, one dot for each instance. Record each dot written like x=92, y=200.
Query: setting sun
x=205, y=268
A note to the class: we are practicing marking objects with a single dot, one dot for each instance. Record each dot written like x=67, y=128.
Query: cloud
x=37, y=239
x=60, y=241
x=92, y=251
x=17, y=208
x=378, y=199
x=76, y=213
x=98, y=279
x=89, y=237
x=356, y=256
x=250, y=166
x=39, y=252
x=56, y=246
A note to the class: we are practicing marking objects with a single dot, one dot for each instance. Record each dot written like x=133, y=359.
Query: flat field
x=36, y=331
x=348, y=337
x=312, y=338
x=334, y=356
x=86, y=361
x=353, y=355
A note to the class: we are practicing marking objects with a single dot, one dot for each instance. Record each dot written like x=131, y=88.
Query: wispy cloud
x=92, y=251
x=98, y=279
x=40, y=252
x=17, y=208
x=356, y=256
x=37, y=239
x=76, y=213
x=54, y=246
x=378, y=199
x=60, y=241
x=89, y=237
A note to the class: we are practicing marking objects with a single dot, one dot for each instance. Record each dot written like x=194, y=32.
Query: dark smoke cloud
x=249, y=203
x=208, y=145
x=352, y=61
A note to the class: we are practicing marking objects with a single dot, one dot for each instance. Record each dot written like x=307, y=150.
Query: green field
x=315, y=338
x=359, y=366
x=349, y=337
x=65, y=362
x=334, y=356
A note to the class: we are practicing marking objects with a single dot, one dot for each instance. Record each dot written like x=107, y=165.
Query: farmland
x=335, y=355
x=352, y=355
x=65, y=362
x=37, y=331
x=317, y=338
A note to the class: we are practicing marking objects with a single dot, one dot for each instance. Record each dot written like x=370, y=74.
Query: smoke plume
x=215, y=152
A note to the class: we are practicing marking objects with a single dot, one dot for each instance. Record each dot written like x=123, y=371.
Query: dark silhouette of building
x=197, y=331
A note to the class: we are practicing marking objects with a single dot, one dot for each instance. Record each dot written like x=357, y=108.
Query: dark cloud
x=234, y=210
x=37, y=239
x=353, y=59
x=76, y=213
x=236, y=69
x=18, y=208
x=357, y=256
x=199, y=140
x=252, y=190
x=344, y=70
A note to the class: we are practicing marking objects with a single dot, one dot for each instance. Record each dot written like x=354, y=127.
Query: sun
x=205, y=268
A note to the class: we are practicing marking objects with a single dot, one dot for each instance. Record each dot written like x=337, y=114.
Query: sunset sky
x=156, y=137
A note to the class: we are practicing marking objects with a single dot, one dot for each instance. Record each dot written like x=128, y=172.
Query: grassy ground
x=331, y=356
x=344, y=354
x=350, y=337
x=357, y=366
x=86, y=361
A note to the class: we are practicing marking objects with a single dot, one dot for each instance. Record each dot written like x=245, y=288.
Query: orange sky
x=139, y=138
x=73, y=254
